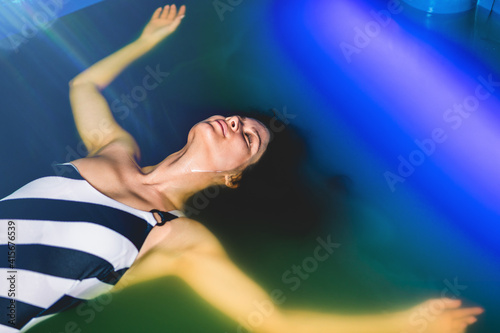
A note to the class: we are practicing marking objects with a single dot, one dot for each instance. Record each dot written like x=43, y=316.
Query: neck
x=175, y=180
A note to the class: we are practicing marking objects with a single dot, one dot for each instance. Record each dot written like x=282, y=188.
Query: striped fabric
x=70, y=242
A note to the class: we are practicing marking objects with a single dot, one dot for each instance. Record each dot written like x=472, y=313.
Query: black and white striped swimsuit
x=68, y=243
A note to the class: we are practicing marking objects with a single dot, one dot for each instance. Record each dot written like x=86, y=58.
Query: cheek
x=219, y=153
x=232, y=155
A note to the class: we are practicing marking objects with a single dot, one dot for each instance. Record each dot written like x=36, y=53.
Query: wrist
x=144, y=44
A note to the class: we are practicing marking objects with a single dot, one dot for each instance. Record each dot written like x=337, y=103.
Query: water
x=359, y=108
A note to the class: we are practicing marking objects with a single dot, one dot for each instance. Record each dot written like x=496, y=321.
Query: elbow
x=80, y=80
x=77, y=80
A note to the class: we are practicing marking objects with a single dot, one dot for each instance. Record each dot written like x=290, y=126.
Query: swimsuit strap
x=165, y=216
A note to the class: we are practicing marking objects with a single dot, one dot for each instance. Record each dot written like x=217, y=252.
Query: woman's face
x=228, y=143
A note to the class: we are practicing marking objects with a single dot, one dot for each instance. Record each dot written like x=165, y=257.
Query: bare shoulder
x=110, y=170
x=115, y=155
x=174, y=249
x=186, y=234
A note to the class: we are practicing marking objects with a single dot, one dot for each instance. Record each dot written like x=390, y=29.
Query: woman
x=104, y=221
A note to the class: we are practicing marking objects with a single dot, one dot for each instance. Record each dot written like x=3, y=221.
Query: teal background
x=396, y=250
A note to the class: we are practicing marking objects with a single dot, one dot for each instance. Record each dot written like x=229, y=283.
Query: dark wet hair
x=286, y=147
x=277, y=195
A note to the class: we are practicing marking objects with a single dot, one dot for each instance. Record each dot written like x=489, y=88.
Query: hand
x=164, y=22
x=442, y=315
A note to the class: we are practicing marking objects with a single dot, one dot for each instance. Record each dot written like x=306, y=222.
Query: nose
x=234, y=123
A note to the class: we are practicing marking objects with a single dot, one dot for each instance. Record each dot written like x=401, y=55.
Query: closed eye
x=249, y=138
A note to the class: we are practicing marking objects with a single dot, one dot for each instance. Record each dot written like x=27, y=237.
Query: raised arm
x=94, y=120
x=192, y=253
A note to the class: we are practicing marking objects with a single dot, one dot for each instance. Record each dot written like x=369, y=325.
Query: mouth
x=223, y=126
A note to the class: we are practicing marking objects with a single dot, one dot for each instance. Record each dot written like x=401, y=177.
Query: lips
x=223, y=126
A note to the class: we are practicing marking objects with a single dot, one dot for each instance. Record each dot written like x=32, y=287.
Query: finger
x=443, y=303
x=175, y=23
x=172, y=13
x=459, y=328
x=164, y=14
x=182, y=11
x=469, y=320
x=460, y=313
x=156, y=14
x=451, y=303
x=460, y=325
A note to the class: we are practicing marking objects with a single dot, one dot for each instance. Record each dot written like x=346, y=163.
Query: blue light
x=22, y=19
x=442, y=6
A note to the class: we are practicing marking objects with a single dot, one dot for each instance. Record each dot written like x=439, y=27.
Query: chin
x=199, y=130
x=203, y=136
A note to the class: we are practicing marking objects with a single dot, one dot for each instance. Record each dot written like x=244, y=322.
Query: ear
x=232, y=181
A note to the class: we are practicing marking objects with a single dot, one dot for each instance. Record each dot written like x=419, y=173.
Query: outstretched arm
x=192, y=253
x=93, y=117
